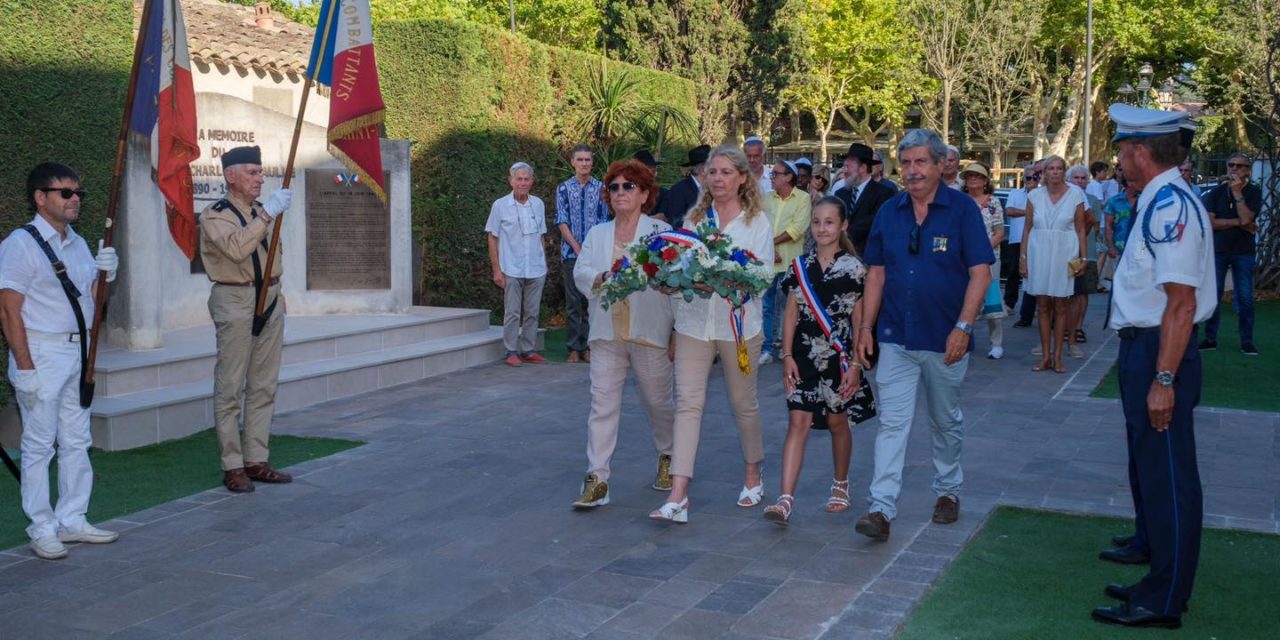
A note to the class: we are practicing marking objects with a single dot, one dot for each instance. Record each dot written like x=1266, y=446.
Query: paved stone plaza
x=454, y=520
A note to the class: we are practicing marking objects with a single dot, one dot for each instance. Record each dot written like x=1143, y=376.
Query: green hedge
x=473, y=100
x=64, y=69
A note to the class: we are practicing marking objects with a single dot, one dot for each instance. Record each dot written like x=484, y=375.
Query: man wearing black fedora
x=862, y=196
x=646, y=157
x=684, y=194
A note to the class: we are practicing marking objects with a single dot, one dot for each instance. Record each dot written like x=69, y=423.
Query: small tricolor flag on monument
x=164, y=110
x=342, y=59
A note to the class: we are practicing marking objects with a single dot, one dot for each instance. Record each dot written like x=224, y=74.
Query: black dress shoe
x=1121, y=541
x=1124, y=555
x=1124, y=593
x=1119, y=592
x=1127, y=616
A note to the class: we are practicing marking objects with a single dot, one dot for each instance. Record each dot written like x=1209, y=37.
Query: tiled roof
x=220, y=33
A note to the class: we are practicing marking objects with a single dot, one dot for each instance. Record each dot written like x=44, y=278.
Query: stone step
x=189, y=354
x=177, y=410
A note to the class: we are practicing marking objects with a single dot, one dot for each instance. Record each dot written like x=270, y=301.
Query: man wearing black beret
x=233, y=246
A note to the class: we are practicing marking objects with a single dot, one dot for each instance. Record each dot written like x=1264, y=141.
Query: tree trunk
x=946, y=110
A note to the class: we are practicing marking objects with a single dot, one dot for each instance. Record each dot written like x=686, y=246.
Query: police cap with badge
x=1136, y=122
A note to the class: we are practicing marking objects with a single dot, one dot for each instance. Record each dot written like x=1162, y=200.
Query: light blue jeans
x=898, y=377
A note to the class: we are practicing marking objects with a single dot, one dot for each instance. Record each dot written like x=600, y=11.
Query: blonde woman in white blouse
x=631, y=334
x=733, y=201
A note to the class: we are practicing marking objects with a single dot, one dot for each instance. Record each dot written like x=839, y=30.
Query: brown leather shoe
x=262, y=472
x=236, y=481
x=947, y=510
x=873, y=525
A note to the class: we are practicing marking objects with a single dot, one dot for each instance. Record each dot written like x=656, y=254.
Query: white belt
x=53, y=337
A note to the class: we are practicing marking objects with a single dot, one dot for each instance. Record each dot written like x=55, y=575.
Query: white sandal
x=837, y=504
x=677, y=512
x=780, y=511
x=751, y=495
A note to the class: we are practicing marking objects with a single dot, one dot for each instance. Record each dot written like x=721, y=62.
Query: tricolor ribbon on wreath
x=819, y=312
x=737, y=314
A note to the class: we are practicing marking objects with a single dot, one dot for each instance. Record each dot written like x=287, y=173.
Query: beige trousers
x=246, y=374
x=694, y=359
x=609, y=362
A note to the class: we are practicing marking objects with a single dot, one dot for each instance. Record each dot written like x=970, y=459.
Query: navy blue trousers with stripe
x=1164, y=478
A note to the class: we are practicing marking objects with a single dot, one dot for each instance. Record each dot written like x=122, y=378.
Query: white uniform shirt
x=25, y=269
x=708, y=318
x=519, y=229
x=1017, y=200
x=1139, y=298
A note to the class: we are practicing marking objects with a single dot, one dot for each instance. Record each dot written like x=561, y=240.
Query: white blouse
x=708, y=318
x=651, y=311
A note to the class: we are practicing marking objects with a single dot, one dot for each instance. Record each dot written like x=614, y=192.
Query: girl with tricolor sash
x=821, y=376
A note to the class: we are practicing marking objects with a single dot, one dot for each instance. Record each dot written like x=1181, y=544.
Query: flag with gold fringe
x=342, y=59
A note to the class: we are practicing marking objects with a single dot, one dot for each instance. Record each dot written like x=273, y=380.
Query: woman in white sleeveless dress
x=1053, y=235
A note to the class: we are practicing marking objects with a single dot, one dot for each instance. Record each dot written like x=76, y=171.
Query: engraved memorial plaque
x=348, y=233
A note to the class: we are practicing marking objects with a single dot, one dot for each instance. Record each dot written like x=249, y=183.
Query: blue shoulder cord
x=1171, y=234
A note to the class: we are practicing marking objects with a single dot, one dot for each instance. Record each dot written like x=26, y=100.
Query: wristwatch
x=1165, y=378
x=965, y=327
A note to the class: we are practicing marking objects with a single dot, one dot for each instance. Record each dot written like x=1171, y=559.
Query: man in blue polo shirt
x=929, y=268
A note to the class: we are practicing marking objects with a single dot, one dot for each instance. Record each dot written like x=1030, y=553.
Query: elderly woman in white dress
x=733, y=202
x=1052, y=238
x=633, y=333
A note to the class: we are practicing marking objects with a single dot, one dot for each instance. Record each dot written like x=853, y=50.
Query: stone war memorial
x=348, y=260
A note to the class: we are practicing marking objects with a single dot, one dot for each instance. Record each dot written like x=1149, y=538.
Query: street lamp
x=1143, y=91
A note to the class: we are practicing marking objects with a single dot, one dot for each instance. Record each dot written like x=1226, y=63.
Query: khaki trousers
x=609, y=362
x=246, y=374
x=521, y=301
x=694, y=359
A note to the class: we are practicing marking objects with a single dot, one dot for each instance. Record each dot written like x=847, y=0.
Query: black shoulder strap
x=73, y=296
x=258, y=280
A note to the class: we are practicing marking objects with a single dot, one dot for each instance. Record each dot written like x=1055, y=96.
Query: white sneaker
x=48, y=548
x=88, y=533
x=996, y=353
x=1037, y=351
x=766, y=358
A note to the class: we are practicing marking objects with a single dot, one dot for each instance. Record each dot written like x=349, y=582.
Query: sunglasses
x=622, y=186
x=1237, y=165
x=65, y=192
x=913, y=243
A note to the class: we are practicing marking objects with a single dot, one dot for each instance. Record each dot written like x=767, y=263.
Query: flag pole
x=100, y=290
x=259, y=320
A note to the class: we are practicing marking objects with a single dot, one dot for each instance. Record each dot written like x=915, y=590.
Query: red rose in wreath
x=650, y=269
x=669, y=254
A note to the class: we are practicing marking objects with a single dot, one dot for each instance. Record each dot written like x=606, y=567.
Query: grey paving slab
x=453, y=521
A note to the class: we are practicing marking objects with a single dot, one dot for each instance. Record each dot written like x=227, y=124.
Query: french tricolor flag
x=342, y=59
x=164, y=110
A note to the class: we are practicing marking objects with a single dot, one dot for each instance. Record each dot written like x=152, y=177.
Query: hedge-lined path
x=454, y=521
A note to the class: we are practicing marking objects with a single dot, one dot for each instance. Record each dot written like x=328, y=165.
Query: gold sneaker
x=662, y=481
x=594, y=493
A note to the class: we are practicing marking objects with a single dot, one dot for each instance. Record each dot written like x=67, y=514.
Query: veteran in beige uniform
x=234, y=233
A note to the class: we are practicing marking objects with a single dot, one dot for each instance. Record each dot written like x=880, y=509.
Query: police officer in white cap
x=46, y=283
x=1164, y=284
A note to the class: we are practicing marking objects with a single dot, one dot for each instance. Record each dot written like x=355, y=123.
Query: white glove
x=107, y=262
x=25, y=386
x=278, y=202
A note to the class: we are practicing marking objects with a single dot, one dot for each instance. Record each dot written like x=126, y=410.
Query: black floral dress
x=838, y=288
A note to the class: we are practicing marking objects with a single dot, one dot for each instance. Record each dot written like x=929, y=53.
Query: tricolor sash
x=737, y=314
x=819, y=311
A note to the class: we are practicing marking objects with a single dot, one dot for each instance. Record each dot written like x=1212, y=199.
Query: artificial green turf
x=1036, y=575
x=135, y=479
x=553, y=347
x=1232, y=379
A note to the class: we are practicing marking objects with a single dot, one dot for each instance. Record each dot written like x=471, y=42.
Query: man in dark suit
x=862, y=196
x=684, y=194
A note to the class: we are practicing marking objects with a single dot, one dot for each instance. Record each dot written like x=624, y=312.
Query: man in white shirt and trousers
x=46, y=357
